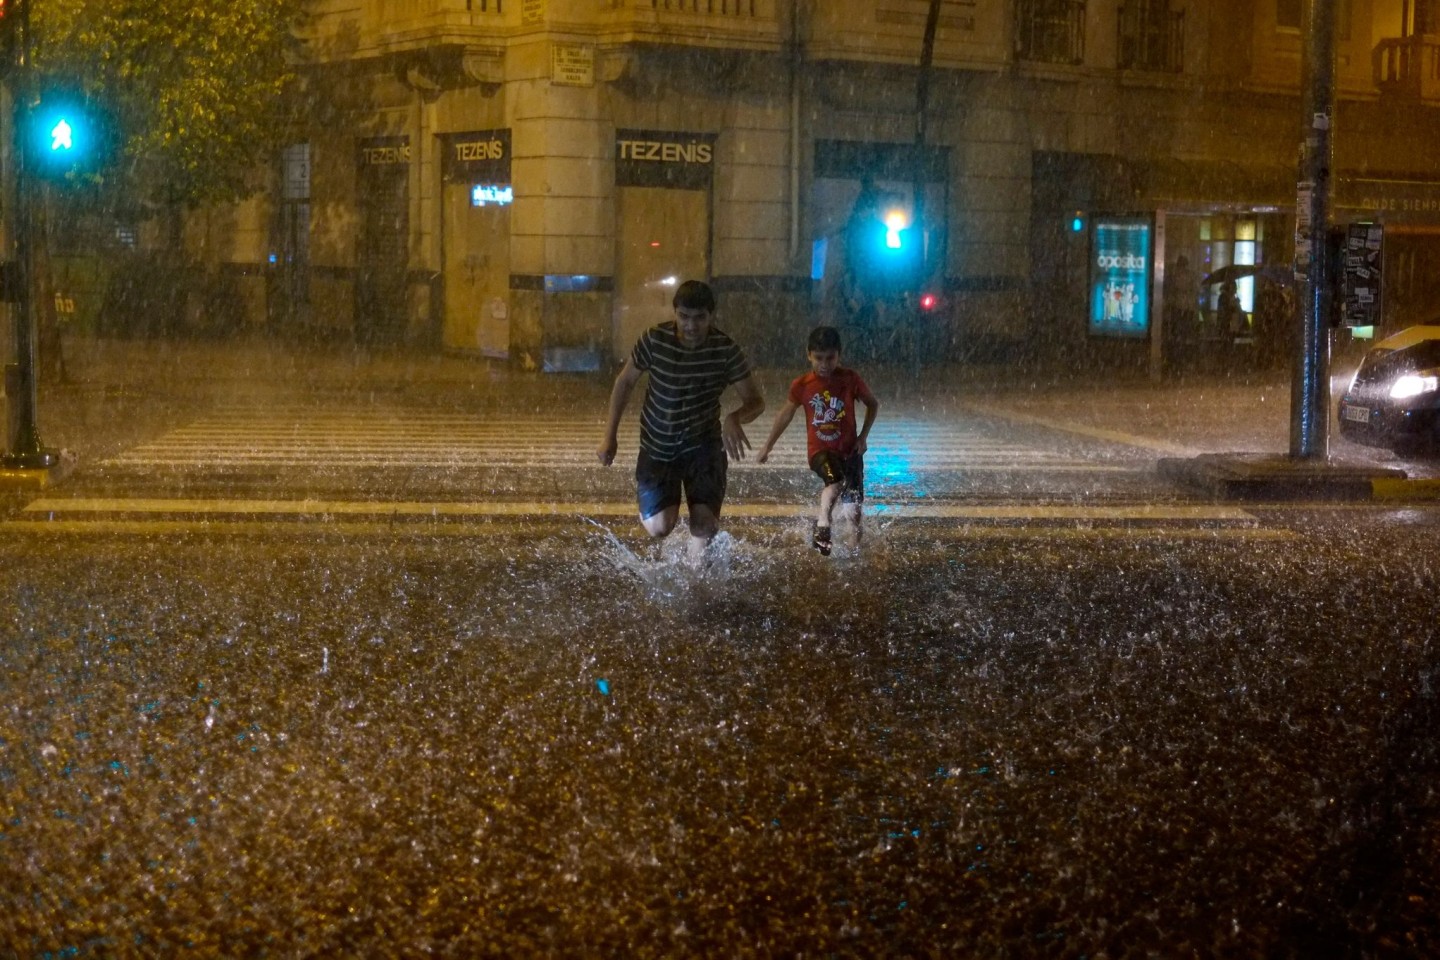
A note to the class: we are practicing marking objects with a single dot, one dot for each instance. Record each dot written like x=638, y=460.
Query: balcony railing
x=1151, y=37
x=724, y=8
x=1050, y=31
x=720, y=24
x=1408, y=66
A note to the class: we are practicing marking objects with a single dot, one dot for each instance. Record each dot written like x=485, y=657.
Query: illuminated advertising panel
x=1120, y=276
x=501, y=194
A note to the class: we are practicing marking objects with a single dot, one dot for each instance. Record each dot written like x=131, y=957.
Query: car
x=1394, y=398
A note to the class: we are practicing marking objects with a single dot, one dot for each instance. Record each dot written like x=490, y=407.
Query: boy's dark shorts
x=833, y=468
x=701, y=473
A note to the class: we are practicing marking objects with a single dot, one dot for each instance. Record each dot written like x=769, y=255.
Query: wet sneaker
x=821, y=540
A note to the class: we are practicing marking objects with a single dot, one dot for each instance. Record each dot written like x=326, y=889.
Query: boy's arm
x=619, y=397
x=872, y=407
x=782, y=420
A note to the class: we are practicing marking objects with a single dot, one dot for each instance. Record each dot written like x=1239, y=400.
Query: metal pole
x=29, y=453
x=1310, y=386
x=922, y=110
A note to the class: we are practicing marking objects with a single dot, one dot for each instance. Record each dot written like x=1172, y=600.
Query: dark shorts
x=701, y=474
x=830, y=467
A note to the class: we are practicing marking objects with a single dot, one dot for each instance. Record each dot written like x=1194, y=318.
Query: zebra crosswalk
x=264, y=437
x=919, y=470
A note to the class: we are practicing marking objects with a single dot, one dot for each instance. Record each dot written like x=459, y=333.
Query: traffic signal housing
x=62, y=135
x=888, y=252
x=9, y=33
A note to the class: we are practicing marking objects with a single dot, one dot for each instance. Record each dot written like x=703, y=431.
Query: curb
x=1276, y=477
x=40, y=478
x=1420, y=488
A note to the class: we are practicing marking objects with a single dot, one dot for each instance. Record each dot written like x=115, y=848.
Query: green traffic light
x=62, y=136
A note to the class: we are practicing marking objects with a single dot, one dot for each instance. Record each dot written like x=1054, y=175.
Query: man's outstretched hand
x=733, y=436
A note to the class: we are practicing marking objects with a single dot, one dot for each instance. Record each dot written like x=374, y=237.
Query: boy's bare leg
x=828, y=496
x=821, y=540
x=851, y=512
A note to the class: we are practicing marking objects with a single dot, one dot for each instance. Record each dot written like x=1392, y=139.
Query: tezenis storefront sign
x=476, y=157
x=664, y=158
x=384, y=152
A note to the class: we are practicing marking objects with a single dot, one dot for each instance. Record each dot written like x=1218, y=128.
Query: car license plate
x=1358, y=414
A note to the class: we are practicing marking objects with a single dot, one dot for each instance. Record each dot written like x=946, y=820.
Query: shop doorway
x=477, y=269
x=662, y=239
x=382, y=250
x=1242, y=320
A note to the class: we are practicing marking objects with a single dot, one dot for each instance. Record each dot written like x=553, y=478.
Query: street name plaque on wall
x=532, y=12
x=572, y=64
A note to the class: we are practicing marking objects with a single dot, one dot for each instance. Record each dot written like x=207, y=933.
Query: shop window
x=1050, y=31
x=291, y=257
x=1244, y=255
x=1290, y=15
x=1151, y=37
x=296, y=163
x=1426, y=17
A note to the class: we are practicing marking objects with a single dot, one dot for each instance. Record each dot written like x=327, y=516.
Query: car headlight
x=1412, y=386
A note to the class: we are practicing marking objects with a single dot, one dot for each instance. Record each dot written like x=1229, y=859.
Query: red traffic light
x=928, y=301
x=9, y=27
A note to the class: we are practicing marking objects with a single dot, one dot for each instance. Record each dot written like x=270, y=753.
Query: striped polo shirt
x=682, y=402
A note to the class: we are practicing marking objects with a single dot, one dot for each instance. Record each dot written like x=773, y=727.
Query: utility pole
x=922, y=108
x=1310, y=385
x=27, y=452
x=922, y=111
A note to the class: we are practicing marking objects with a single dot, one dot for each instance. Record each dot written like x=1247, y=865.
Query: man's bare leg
x=703, y=527
x=660, y=524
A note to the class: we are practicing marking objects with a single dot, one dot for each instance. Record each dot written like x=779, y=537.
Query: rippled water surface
x=567, y=742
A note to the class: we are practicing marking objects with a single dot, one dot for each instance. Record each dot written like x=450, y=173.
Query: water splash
x=669, y=569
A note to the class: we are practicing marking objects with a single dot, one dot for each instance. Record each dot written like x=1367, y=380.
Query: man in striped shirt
x=684, y=442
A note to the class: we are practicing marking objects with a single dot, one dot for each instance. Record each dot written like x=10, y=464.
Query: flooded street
x=1035, y=407
x=548, y=739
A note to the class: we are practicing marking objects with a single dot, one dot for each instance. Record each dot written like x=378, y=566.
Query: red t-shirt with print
x=829, y=406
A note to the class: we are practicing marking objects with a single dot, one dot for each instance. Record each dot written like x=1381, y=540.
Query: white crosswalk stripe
x=267, y=437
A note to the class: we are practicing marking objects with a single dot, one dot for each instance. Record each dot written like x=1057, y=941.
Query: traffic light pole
x=1310, y=387
x=27, y=452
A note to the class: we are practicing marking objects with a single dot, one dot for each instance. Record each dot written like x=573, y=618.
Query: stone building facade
x=529, y=178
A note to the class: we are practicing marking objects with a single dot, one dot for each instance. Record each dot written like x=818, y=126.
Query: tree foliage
x=194, y=89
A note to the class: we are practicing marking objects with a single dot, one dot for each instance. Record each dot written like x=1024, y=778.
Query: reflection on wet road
x=565, y=741
x=304, y=684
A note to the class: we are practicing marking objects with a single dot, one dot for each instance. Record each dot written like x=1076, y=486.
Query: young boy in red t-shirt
x=835, y=449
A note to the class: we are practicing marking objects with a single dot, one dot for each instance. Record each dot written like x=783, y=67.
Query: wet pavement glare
x=567, y=742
